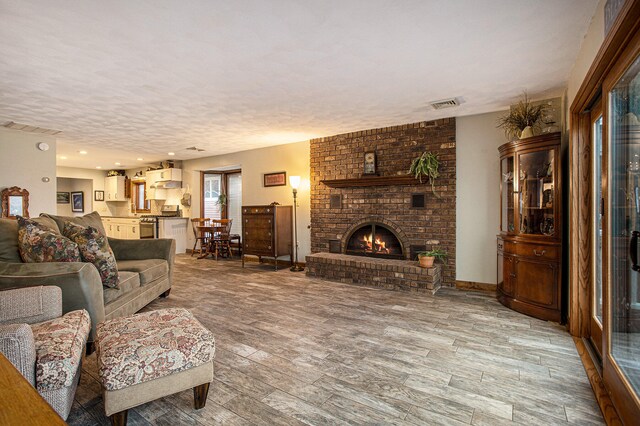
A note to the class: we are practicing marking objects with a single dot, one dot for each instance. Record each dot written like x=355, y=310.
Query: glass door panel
x=536, y=184
x=211, y=190
x=597, y=209
x=234, y=199
x=508, y=221
x=624, y=227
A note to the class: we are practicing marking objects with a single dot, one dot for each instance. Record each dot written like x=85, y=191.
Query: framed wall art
x=275, y=179
x=63, y=197
x=77, y=202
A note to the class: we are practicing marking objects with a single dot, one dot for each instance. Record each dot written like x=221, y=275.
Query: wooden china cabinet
x=530, y=239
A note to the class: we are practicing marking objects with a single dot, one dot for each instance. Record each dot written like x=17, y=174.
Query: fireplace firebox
x=374, y=240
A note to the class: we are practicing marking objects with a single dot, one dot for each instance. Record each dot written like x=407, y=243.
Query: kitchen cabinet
x=166, y=175
x=267, y=231
x=122, y=228
x=154, y=177
x=115, y=188
x=530, y=241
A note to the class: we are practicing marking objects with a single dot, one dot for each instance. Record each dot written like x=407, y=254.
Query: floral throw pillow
x=38, y=243
x=94, y=248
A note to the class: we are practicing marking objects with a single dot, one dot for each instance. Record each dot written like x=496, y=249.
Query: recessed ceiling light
x=140, y=159
x=83, y=152
x=98, y=167
x=62, y=157
x=117, y=164
x=171, y=153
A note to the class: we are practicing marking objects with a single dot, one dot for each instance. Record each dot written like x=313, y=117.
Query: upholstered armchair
x=46, y=347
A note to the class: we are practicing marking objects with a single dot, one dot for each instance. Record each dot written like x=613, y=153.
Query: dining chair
x=220, y=238
x=199, y=235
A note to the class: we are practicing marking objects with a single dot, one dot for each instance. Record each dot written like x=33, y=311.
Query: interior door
x=596, y=302
x=622, y=302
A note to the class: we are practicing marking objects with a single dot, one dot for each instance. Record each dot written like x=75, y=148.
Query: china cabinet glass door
x=507, y=216
x=536, y=191
x=624, y=227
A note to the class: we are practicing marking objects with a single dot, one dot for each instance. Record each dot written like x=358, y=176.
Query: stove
x=149, y=222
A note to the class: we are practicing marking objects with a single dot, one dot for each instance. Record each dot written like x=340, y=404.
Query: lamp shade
x=294, y=181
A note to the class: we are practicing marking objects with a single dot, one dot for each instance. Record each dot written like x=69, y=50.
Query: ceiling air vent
x=33, y=129
x=445, y=103
x=195, y=148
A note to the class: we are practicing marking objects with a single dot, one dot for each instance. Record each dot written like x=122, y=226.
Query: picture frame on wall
x=98, y=195
x=63, y=197
x=275, y=179
x=77, y=202
x=370, y=166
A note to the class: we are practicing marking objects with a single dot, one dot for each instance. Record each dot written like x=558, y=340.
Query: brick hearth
x=386, y=273
x=342, y=157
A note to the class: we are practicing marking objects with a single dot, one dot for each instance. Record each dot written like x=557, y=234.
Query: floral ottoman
x=146, y=356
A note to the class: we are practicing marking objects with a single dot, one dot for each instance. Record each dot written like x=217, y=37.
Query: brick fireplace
x=352, y=213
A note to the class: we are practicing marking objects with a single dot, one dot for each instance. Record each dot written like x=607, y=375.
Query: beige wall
x=588, y=50
x=97, y=178
x=478, y=196
x=292, y=158
x=24, y=165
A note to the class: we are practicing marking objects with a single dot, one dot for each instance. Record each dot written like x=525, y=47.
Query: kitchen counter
x=121, y=217
x=172, y=218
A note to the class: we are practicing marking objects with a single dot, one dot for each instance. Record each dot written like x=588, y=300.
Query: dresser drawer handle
x=539, y=254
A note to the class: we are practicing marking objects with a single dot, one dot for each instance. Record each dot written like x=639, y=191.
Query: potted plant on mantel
x=426, y=165
x=522, y=120
x=426, y=258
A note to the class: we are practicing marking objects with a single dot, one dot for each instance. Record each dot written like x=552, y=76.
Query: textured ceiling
x=125, y=79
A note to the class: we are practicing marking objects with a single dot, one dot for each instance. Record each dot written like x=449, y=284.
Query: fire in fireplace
x=374, y=239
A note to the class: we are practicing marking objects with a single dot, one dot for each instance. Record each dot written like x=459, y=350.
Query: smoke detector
x=445, y=103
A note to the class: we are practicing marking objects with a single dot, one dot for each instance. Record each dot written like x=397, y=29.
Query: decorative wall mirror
x=15, y=202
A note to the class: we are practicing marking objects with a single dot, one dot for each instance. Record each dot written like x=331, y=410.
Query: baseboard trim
x=475, y=286
x=609, y=411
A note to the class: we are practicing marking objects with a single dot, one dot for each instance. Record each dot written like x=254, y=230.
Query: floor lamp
x=295, y=183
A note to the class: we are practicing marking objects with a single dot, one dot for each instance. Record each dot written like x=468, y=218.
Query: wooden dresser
x=267, y=231
x=530, y=241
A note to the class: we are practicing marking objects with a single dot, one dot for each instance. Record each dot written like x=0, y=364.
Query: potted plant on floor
x=426, y=258
x=426, y=165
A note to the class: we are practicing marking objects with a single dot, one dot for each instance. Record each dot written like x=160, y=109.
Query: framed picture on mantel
x=370, y=163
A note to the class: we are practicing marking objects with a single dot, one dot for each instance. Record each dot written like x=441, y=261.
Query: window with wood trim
x=139, y=197
x=221, y=197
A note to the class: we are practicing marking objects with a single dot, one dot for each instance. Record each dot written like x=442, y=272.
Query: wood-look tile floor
x=293, y=350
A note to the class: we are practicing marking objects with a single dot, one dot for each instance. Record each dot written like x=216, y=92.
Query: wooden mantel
x=372, y=181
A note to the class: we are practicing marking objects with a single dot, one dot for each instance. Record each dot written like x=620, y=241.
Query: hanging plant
x=222, y=200
x=427, y=166
x=523, y=114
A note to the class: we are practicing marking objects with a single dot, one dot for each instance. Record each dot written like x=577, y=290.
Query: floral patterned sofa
x=145, y=269
x=44, y=345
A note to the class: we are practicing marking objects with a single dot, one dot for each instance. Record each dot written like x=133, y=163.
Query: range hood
x=169, y=184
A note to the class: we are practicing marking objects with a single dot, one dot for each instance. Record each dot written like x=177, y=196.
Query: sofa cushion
x=9, y=251
x=37, y=243
x=91, y=219
x=128, y=281
x=94, y=248
x=151, y=345
x=149, y=269
x=59, y=348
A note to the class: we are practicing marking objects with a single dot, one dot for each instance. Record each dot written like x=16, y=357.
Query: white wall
x=75, y=185
x=588, y=51
x=97, y=178
x=24, y=165
x=292, y=158
x=478, y=196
